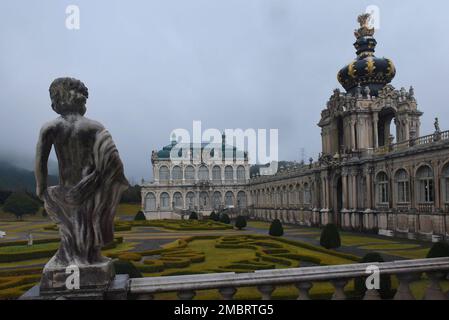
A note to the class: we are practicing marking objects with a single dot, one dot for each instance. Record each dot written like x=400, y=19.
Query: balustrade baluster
x=266, y=291
x=303, y=288
x=339, y=286
x=372, y=294
x=434, y=291
x=227, y=293
x=403, y=292
x=186, y=295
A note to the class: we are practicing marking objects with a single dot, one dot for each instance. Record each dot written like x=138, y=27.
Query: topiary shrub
x=240, y=222
x=224, y=218
x=276, y=229
x=385, y=279
x=193, y=216
x=330, y=237
x=140, y=216
x=126, y=267
x=439, y=250
x=44, y=213
x=213, y=216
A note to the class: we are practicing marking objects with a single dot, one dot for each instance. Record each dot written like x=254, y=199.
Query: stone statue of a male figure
x=91, y=182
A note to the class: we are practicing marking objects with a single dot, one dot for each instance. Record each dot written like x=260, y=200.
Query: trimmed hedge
x=240, y=222
x=276, y=229
x=140, y=216
x=25, y=242
x=224, y=218
x=330, y=237
x=193, y=216
x=439, y=250
x=126, y=267
x=213, y=216
x=130, y=256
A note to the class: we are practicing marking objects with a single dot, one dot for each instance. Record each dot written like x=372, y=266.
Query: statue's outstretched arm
x=43, y=149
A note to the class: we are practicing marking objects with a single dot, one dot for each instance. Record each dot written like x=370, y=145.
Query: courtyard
x=168, y=247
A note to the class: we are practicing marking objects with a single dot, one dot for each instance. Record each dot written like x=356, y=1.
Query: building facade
x=199, y=178
x=376, y=173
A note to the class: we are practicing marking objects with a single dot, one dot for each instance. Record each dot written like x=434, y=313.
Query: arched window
x=179, y=202
x=229, y=173
x=241, y=200
x=190, y=174
x=190, y=200
x=164, y=174
x=402, y=186
x=307, y=196
x=229, y=199
x=445, y=182
x=216, y=174
x=150, y=202
x=217, y=200
x=382, y=188
x=204, y=200
x=177, y=173
x=241, y=175
x=424, y=179
x=165, y=200
x=203, y=173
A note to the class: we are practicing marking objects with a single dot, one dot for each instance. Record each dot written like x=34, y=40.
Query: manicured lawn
x=354, y=240
x=409, y=254
x=258, y=224
x=34, y=247
x=392, y=246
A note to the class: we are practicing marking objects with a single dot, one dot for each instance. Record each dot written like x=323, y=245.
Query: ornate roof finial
x=365, y=30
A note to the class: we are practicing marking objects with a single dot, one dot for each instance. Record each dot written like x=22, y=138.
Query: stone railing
x=266, y=281
x=425, y=207
x=383, y=206
x=431, y=138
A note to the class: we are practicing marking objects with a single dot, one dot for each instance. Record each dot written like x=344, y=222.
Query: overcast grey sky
x=155, y=65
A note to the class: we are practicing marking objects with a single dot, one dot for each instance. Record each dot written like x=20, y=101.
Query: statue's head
x=68, y=96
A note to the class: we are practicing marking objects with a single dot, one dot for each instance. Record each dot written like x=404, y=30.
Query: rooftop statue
x=91, y=182
x=365, y=29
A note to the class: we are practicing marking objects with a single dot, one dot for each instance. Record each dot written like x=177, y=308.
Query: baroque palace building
x=376, y=173
x=197, y=180
x=366, y=179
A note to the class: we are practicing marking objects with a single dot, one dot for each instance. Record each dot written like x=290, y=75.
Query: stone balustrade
x=266, y=281
x=424, y=140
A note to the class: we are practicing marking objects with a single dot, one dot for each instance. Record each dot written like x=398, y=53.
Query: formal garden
x=154, y=248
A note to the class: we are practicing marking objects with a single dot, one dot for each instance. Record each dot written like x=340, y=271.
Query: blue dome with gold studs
x=366, y=70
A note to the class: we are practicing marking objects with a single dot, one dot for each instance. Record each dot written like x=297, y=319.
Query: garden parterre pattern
x=140, y=239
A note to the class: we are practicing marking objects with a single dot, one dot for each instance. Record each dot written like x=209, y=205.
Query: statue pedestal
x=96, y=282
x=89, y=277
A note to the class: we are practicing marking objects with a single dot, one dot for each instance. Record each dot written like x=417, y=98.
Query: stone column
x=323, y=192
x=436, y=186
x=354, y=190
x=369, y=186
x=345, y=190
x=376, y=134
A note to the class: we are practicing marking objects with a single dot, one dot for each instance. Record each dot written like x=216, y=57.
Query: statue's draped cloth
x=85, y=212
